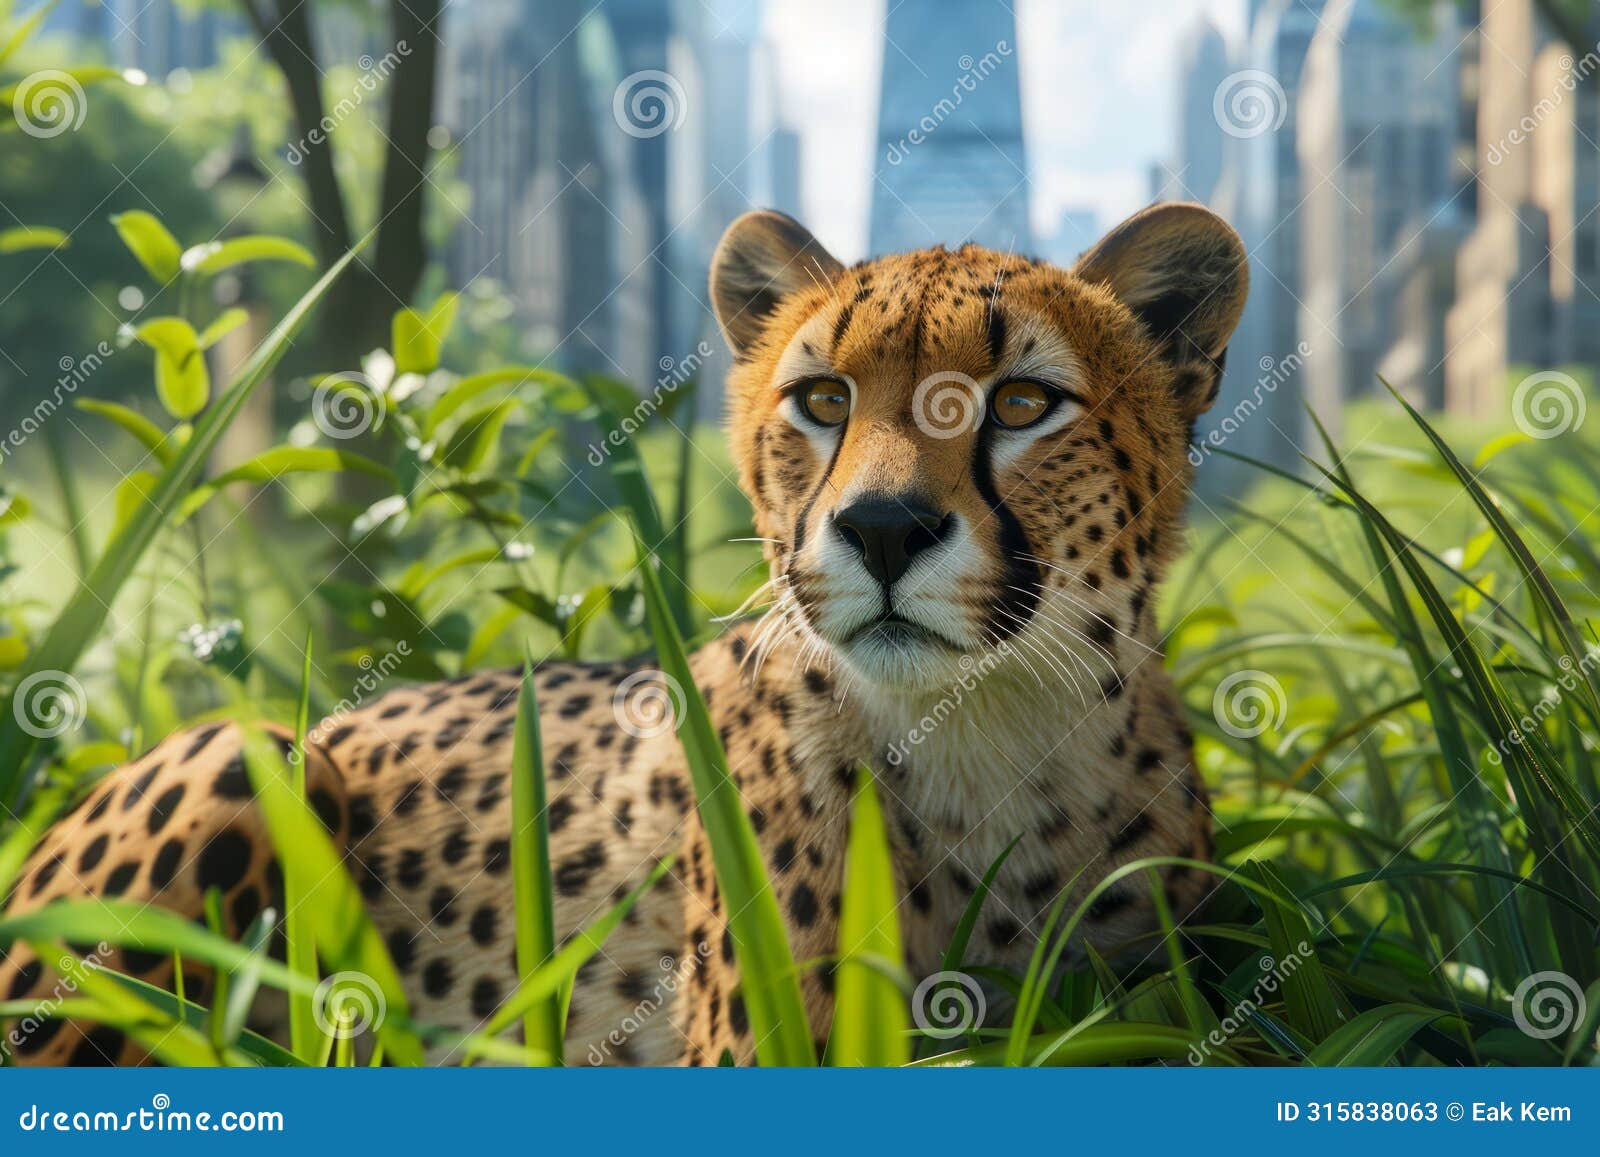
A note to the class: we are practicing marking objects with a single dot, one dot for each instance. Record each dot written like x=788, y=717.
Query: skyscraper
x=951, y=166
x=1259, y=192
x=1197, y=155
x=1522, y=274
x=1377, y=124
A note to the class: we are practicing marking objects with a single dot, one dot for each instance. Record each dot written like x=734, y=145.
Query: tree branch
x=288, y=40
x=401, y=249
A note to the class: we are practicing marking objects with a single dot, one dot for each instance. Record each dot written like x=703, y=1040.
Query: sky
x=1097, y=97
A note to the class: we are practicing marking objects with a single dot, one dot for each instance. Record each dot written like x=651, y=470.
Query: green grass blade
x=870, y=1022
x=85, y=613
x=955, y=952
x=534, y=893
x=1547, y=597
x=770, y=982
x=1311, y=1006
x=1374, y=1037
x=300, y=949
x=548, y=980
x=330, y=901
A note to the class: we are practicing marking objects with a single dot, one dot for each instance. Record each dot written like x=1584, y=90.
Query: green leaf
x=418, y=338
x=151, y=244
x=474, y=444
x=182, y=381
x=270, y=465
x=215, y=256
x=468, y=388
x=23, y=237
x=1373, y=1037
x=80, y=621
x=871, y=1025
x=533, y=894
x=151, y=436
x=227, y=321
x=769, y=981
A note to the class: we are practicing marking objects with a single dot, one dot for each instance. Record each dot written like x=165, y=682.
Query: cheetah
x=968, y=473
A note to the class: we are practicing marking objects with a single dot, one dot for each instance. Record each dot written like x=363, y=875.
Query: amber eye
x=825, y=403
x=1020, y=404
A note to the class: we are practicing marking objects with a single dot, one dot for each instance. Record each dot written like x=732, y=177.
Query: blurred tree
x=356, y=318
x=1575, y=21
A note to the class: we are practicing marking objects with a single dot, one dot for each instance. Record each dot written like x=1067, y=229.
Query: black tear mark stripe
x=811, y=500
x=1021, y=581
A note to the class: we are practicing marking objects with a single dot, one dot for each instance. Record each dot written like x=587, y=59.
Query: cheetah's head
x=952, y=454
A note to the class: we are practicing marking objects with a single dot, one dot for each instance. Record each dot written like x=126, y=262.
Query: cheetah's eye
x=1017, y=405
x=826, y=403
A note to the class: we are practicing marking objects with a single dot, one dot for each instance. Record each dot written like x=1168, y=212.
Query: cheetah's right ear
x=762, y=258
x=1184, y=272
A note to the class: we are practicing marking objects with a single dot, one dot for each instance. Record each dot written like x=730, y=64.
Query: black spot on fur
x=232, y=782
x=165, y=866
x=224, y=861
x=484, y=923
x=437, y=978
x=94, y=853
x=119, y=879
x=573, y=873
x=803, y=905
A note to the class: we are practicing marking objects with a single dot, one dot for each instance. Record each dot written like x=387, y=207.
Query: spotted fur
x=1005, y=683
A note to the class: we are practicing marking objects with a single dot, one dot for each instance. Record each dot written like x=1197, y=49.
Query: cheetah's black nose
x=889, y=532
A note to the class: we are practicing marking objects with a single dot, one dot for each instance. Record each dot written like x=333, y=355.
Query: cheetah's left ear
x=762, y=258
x=1184, y=272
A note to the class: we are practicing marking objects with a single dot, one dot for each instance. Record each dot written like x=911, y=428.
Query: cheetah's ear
x=763, y=257
x=1184, y=272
